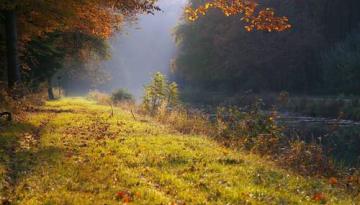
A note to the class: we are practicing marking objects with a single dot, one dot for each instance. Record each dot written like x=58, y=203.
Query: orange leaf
x=333, y=181
x=319, y=197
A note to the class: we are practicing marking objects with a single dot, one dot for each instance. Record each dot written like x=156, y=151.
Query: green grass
x=72, y=152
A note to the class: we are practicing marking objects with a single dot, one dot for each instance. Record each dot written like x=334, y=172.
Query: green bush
x=121, y=95
x=160, y=93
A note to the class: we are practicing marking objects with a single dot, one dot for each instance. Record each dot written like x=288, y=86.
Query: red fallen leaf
x=333, y=181
x=69, y=154
x=126, y=199
x=319, y=197
x=138, y=194
x=121, y=194
x=124, y=196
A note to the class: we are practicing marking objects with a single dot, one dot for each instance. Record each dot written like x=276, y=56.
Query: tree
x=159, y=92
x=65, y=52
x=11, y=48
x=38, y=18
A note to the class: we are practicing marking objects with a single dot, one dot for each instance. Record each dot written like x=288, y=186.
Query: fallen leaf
x=319, y=197
x=333, y=181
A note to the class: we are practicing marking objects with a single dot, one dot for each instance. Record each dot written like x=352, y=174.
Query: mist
x=143, y=48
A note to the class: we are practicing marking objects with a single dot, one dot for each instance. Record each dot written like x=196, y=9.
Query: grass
x=72, y=152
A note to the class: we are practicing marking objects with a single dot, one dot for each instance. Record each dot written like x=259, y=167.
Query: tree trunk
x=13, y=68
x=50, y=90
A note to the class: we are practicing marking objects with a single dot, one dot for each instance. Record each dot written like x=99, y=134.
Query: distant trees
x=341, y=66
x=216, y=53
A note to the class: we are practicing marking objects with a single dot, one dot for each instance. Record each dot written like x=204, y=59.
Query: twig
x=133, y=114
x=112, y=110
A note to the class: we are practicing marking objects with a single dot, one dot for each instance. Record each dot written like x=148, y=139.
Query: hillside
x=72, y=152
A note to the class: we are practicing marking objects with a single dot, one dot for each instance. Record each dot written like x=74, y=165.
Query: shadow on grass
x=49, y=110
x=17, y=160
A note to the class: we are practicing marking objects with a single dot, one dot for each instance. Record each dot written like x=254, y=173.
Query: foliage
x=216, y=55
x=264, y=20
x=54, y=34
x=57, y=55
x=81, y=156
x=308, y=159
x=121, y=95
x=246, y=122
x=159, y=92
x=96, y=17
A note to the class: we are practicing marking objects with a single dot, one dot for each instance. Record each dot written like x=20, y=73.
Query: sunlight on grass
x=82, y=156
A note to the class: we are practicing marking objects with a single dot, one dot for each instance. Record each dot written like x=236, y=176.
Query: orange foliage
x=94, y=17
x=264, y=20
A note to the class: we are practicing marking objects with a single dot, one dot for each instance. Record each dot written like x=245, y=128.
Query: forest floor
x=72, y=151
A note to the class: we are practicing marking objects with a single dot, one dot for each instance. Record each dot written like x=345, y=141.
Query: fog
x=143, y=48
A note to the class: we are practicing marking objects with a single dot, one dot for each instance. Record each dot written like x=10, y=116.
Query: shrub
x=308, y=159
x=249, y=125
x=159, y=93
x=121, y=95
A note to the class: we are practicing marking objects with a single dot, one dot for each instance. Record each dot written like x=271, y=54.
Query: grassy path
x=71, y=152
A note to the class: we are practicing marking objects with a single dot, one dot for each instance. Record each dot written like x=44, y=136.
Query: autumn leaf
x=138, y=195
x=264, y=20
x=320, y=197
x=333, y=181
x=124, y=196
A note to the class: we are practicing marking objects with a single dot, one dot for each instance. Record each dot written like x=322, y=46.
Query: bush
x=121, y=95
x=247, y=124
x=308, y=159
x=159, y=93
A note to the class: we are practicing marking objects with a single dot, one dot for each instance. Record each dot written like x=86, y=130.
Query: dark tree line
x=218, y=54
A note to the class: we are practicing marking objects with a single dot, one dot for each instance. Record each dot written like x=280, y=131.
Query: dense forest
x=318, y=55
